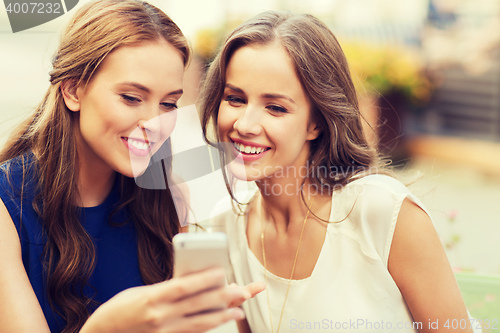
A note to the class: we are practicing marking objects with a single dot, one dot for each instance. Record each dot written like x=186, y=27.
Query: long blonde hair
x=97, y=29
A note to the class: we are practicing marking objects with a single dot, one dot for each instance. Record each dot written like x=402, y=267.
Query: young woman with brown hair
x=75, y=229
x=340, y=243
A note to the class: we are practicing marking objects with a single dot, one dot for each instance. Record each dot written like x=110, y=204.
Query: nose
x=150, y=123
x=248, y=122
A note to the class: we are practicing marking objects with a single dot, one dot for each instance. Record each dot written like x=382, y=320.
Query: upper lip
x=138, y=139
x=248, y=143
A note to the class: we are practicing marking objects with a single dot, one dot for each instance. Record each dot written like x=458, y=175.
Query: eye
x=169, y=106
x=277, y=109
x=130, y=99
x=235, y=100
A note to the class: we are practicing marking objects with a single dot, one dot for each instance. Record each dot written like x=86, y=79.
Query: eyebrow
x=265, y=95
x=278, y=96
x=230, y=86
x=146, y=89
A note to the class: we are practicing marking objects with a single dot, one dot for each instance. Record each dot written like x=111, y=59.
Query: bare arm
x=420, y=268
x=19, y=308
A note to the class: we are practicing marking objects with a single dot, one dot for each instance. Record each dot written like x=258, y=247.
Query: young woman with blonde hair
x=340, y=243
x=76, y=232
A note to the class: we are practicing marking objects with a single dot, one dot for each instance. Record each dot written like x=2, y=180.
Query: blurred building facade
x=462, y=47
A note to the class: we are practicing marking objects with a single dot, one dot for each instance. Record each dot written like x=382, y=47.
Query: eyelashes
x=169, y=106
x=277, y=108
x=237, y=101
x=131, y=100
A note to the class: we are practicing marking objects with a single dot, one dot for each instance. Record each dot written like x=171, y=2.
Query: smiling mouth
x=249, y=149
x=138, y=144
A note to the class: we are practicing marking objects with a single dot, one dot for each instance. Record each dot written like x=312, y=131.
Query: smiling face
x=264, y=115
x=128, y=108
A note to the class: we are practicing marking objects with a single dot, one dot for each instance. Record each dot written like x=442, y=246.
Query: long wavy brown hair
x=341, y=150
x=97, y=29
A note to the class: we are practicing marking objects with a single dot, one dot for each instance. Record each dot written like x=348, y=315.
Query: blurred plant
x=384, y=69
x=452, y=241
x=208, y=40
x=454, y=238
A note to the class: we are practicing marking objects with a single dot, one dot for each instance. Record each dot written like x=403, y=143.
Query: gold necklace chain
x=291, y=274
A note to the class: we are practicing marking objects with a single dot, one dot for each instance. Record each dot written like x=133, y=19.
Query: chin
x=243, y=172
x=129, y=173
x=134, y=168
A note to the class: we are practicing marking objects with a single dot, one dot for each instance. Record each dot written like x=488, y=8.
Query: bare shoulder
x=19, y=309
x=415, y=239
x=419, y=266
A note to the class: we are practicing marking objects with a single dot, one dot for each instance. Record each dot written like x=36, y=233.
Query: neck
x=94, y=186
x=282, y=201
x=95, y=179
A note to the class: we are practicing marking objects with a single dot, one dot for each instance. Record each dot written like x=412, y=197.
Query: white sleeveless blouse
x=350, y=288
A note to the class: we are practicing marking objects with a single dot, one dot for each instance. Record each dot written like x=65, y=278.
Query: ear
x=69, y=90
x=313, y=131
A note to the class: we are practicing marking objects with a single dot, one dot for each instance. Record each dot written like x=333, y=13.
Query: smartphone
x=194, y=252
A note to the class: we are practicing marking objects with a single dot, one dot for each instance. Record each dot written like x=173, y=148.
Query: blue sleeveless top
x=117, y=266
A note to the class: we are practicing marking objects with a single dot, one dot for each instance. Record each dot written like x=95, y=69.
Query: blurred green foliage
x=482, y=297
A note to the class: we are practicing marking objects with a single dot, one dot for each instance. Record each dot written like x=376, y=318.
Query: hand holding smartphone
x=194, y=252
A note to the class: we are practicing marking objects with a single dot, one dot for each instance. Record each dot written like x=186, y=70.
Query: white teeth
x=248, y=149
x=139, y=144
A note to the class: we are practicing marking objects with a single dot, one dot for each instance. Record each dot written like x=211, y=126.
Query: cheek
x=224, y=122
x=287, y=135
x=99, y=113
x=167, y=123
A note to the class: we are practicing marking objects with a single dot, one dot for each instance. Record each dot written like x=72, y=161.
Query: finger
x=241, y=297
x=206, y=321
x=255, y=288
x=185, y=286
x=249, y=292
x=213, y=299
x=240, y=291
